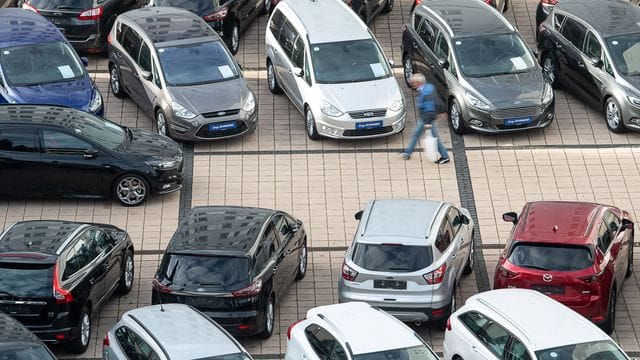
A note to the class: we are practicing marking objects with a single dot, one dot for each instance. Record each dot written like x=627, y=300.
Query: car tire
x=468, y=268
x=233, y=40
x=407, y=67
x=610, y=323
x=127, y=274
x=266, y=7
x=302, y=261
x=629, y=271
x=131, y=189
x=388, y=6
x=272, y=79
x=269, y=319
x=115, y=84
x=310, y=125
x=80, y=343
x=550, y=68
x=613, y=116
x=456, y=121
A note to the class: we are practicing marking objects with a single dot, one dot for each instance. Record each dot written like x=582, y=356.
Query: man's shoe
x=442, y=161
x=406, y=156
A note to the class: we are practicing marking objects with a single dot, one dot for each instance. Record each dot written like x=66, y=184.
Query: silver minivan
x=325, y=59
x=407, y=257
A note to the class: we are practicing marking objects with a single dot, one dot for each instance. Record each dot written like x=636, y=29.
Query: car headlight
x=96, y=101
x=548, y=93
x=634, y=100
x=330, y=110
x=398, y=103
x=163, y=164
x=181, y=112
x=475, y=102
x=249, y=104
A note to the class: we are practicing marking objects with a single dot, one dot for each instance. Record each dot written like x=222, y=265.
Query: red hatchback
x=577, y=253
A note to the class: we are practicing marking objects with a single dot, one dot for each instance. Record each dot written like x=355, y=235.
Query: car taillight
x=27, y=6
x=348, y=273
x=506, y=273
x=449, y=323
x=105, y=342
x=487, y=2
x=436, y=276
x=159, y=286
x=550, y=2
x=589, y=279
x=62, y=296
x=251, y=290
x=418, y=2
x=91, y=14
x=291, y=328
x=217, y=15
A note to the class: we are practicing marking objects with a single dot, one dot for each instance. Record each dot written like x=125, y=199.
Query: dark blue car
x=39, y=66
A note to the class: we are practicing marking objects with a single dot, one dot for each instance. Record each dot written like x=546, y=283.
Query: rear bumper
x=54, y=336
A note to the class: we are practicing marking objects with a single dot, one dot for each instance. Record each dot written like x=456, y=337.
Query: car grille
x=215, y=114
x=515, y=112
x=365, y=114
x=368, y=132
x=205, y=133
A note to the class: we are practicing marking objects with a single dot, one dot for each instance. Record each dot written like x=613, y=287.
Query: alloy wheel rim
x=613, y=115
x=115, y=82
x=85, y=329
x=128, y=272
x=455, y=116
x=270, y=316
x=271, y=76
x=235, y=38
x=549, y=69
x=303, y=260
x=408, y=70
x=309, y=123
x=131, y=190
x=161, y=123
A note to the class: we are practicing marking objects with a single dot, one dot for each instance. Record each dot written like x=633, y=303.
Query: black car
x=501, y=5
x=230, y=18
x=234, y=264
x=53, y=151
x=17, y=342
x=368, y=9
x=85, y=23
x=55, y=274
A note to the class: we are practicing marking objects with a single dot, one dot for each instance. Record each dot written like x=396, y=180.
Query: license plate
x=548, y=289
x=390, y=284
x=369, y=125
x=518, y=121
x=228, y=125
x=17, y=309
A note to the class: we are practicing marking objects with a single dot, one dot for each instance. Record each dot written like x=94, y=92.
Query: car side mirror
x=296, y=226
x=91, y=154
x=85, y=60
x=358, y=215
x=510, y=217
x=146, y=75
x=391, y=62
x=627, y=224
x=465, y=219
x=297, y=71
x=443, y=63
x=597, y=63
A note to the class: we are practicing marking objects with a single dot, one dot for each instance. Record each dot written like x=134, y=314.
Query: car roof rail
x=507, y=319
x=433, y=220
x=335, y=328
x=442, y=21
x=364, y=228
x=139, y=323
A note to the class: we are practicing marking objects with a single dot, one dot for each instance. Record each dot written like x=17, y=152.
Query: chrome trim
x=19, y=302
x=71, y=237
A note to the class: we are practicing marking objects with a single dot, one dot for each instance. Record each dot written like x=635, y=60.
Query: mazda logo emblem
x=547, y=277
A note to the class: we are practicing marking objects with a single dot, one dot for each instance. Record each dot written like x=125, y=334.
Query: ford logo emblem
x=368, y=114
x=200, y=289
x=547, y=277
x=221, y=113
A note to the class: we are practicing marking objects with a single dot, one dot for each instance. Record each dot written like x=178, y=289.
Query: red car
x=577, y=253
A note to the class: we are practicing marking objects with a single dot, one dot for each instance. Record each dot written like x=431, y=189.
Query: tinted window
x=134, y=346
x=392, y=257
x=287, y=38
x=17, y=140
x=144, y=59
x=516, y=351
x=13, y=351
x=198, y=7
x=26, y=281
x=101, y=131
x=348, y=61
x=427, y=32
x=592, y=46
x=445, y=236
x=573, y=32
x=493, y=55
x=492, y=335
x=604, y=237
x=263, y=255
x=40, y=63
x=441, y=48
x=62, y=4
x=156, y=75
x=455, y=219
x=558, y=21
x=209, y=272
x=625, y=51
x=596, y=350
x=282, y=228
x=131, y=41
x=276, y=23
x=208, y=62
x=551, y=257
x=54, y=141
x=81, y=254
x=324, y=345
x=100, y=238
x=419, y=352
x=297, y=57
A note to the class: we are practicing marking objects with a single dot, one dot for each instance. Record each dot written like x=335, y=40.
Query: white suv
x=521, y=324
x=354, y=331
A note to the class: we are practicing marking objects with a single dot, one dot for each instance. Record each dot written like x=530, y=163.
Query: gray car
x=178, y=70
x=170, y=331
x=407, y=257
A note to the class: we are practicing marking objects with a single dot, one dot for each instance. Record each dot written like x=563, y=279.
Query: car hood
x=219, y=96
x=75, y=93
x=510, y=89
x=633, y=81
x=143, y=143
x=367, y=95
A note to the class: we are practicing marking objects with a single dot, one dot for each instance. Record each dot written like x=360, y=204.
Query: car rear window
x=17, y=280
x=213, y=273
x=70, y=5
x=392, y=257
x=24, y=352
x=551, y=257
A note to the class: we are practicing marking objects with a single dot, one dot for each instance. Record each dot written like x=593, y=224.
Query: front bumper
x=166, y=181
x=531, y=117
x=346, y=127
x=630, y=115
x=198, y=128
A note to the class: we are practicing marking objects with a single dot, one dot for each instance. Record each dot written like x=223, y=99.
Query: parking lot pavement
x=325, y=182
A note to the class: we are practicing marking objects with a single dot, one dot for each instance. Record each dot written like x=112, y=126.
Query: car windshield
x=420, y=352
x=25, y=280
x=25, y=352
x=224, y=273
x=625, y=50
x=198, y=7
x=77, y=5
x=36, y=64
x=101, y=131
x=348, y=61
x=493, y=55
x=392, y=257
x=595, y=350
x=551, y=257
x=208, y=62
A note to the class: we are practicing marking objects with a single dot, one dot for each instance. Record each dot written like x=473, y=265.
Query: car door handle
x=415, y=45
x=474, y=348
x=453, y=256
x=92, y=281
x=580, y=64
x=275, y=50
x=303, y=356
x=558, y=45
x=275, y=269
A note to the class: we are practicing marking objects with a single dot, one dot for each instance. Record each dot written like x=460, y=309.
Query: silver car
x=171, y=331
x=407, y=257
x=178, y=70
x=333, y=70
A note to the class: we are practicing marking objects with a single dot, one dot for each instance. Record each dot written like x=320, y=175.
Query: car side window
x=276, y=23
x=287, y=38
x=557, y=21
x=270, y=240
x=121, y=29
x=445, y=235
x=131, y=42
x=427, y=32
x=307, y=70
x=83, y=251
x=134, y=346
x=516, y=351
x=18, y=140
x=604, y=237
x=441, y=47
x=297, y=56
x=102, y=240
x=144, y=58
x=488, y=332
x=417, y=21
x=57, y=142
x=592, y=46
x=282, y=228
x=573, y=32
x=455, y=219
x=156, y=74
x=607, y=66
x=324, y=344
x=613, y=222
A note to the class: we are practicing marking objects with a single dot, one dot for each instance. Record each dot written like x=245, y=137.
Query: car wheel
x=613, y=115
x=468, y=269
x=610, y=323
x=550, y=69
x=128, y=272
x=80, y=343
x=407, y=65
x=388, y=6
x=455, y=118
x=160, y=123
x=266, y=7
x=272, y=81
x=234, y=38
x=114, y=82
x=269, y=319
x=312, y=130
x=302, y=262
x=630, y=262
x=131, y=189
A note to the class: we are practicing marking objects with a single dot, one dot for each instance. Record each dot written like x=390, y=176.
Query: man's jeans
x=417, y=134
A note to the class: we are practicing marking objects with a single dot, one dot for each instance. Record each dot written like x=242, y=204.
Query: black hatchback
x=54, y=275
x=52, y=151
x=234, y=264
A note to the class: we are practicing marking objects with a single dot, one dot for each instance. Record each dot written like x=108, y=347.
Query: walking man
x=428, y=104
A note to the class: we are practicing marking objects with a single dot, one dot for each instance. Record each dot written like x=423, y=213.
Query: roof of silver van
x=328, y=20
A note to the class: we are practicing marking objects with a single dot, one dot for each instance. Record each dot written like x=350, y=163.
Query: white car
x=354, y=331
x=521, y=324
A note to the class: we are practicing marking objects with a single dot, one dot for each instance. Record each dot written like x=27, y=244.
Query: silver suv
x=333, y=70
x=407, y=257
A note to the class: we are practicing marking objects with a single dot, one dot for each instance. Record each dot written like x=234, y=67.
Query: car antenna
x=160, y=302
